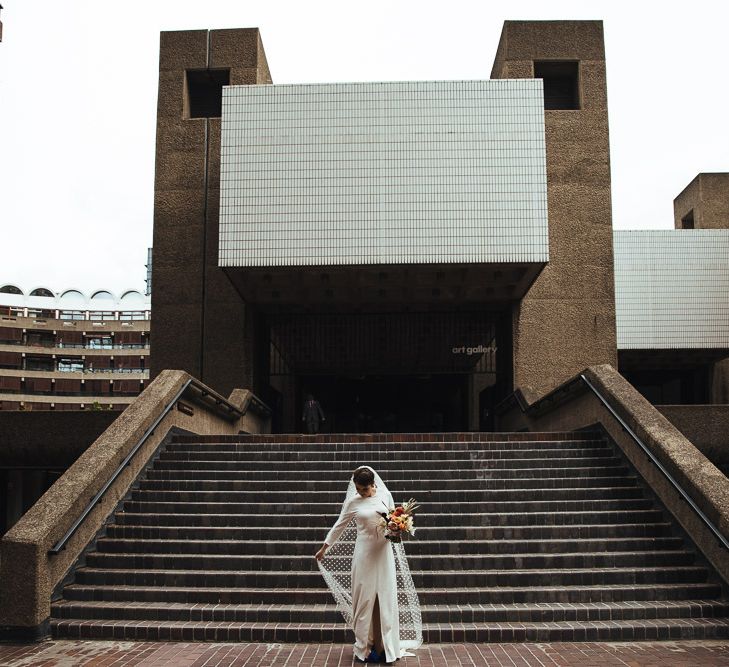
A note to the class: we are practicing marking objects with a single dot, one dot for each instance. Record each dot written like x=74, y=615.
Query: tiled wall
x=672, y=289
x=383, y=173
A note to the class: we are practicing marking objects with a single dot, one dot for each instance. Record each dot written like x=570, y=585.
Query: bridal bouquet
x=399, y=520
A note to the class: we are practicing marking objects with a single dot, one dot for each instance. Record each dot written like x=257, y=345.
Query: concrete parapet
x=29, y=573
x=574, y=406
x=706, y=426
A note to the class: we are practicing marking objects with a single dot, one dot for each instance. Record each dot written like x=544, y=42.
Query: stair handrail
x=646, y=450
x=231, y=409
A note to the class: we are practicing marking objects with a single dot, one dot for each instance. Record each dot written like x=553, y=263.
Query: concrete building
x=70, y=351
x=671, y=291
x=413, y=253
x=704, y=203
x=358, y=240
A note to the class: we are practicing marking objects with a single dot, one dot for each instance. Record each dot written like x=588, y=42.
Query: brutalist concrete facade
x=672, y=313
x=703, y=203
x=200, y=322
x=566, y=322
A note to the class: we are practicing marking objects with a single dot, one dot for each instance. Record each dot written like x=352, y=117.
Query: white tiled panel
x=672, y=289
x=383, y=173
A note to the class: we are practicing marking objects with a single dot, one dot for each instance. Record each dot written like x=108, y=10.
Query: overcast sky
x=78, y=89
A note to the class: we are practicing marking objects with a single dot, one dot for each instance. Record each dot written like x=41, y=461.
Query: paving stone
x=81, y=653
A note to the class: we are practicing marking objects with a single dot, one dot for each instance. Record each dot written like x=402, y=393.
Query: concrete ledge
x=28, y=573
x=574, y=406
x=706, y=426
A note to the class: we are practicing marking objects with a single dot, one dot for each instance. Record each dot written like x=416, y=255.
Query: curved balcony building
x=69, y=350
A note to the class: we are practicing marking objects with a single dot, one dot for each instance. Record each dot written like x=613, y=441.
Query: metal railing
x=205, y=393
x=646, y=450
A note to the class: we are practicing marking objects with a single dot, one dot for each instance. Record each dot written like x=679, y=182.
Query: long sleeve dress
x=373, y=573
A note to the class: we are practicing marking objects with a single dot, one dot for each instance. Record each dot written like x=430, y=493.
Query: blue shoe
x=374, y=656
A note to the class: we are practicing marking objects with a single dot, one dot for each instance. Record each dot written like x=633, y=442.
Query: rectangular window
x=40, y=339
x=561, y=83
x=70, y=366
x=129, y=315
x=99, y=343
x=41, y=312
x=71, y=315
x=205, y=92
x=687, y=222
x=39, y=364
x=10, y=335
x=11, y=360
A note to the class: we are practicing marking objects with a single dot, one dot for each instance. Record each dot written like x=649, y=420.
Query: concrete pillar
x=199, y=319
x=566, y=321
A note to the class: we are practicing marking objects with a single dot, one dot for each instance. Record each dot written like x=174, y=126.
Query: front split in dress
x=373, y=573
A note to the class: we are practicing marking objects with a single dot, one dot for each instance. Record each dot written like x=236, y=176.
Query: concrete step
x=183, y=473
x=393, y=438
x=413, y=485
x=422, y=578
x=414, y=547
x=448, y=535
x=293, y=564
x=430, y=508
x=352, y=459
x=433, y=495
x=655, y=629
x=451, y=595
x=386, y=467
x=328, y=613
x=453, y=445
x=134, y=516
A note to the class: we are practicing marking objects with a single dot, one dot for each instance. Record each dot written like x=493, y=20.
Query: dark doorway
x=391, y=403
x=384, y=372
x=684, y=386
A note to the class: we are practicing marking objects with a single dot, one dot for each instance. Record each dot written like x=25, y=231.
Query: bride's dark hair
x=363, y=477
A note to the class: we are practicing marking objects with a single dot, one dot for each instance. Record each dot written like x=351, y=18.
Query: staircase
x=521, y=537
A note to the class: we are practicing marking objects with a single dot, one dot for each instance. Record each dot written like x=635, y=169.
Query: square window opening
x=561, y=83
x=204, y=92
x=687, y=222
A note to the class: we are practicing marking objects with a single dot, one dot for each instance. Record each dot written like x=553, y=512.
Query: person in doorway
x=312, y=415
x=369, y=576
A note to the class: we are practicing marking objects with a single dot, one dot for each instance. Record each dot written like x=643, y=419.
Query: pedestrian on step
x=312, y=415
x=369, y=575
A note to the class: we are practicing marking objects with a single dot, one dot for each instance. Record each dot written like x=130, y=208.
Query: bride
x=369, y=575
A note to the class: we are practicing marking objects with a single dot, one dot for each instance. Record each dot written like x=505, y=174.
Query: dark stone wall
x=49, y=438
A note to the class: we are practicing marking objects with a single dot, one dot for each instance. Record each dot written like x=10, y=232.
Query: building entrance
x=386, y=372
x=391, y=403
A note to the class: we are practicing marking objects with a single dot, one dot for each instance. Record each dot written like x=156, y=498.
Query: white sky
x=78, y=89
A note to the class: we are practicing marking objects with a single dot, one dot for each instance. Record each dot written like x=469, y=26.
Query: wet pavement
x=70, y=653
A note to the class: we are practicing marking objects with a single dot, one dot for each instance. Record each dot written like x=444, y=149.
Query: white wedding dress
x=361, y=566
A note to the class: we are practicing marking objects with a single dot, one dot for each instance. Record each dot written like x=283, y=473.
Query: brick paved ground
x=116, y=654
